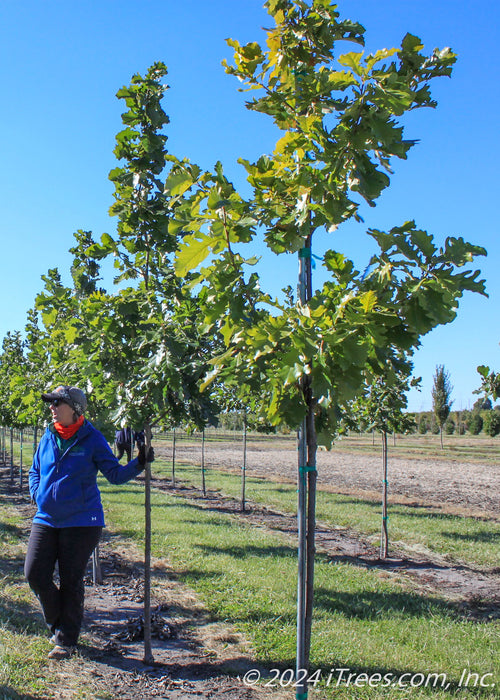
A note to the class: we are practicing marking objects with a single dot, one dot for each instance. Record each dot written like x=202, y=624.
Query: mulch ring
x=193, y=656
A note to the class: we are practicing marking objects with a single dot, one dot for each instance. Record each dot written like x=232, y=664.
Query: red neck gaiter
x=67, y=431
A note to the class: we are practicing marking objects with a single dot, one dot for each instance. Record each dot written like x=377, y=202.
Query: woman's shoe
x=59, y=652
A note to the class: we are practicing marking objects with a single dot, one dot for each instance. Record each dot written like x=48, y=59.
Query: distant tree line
x=482, y=418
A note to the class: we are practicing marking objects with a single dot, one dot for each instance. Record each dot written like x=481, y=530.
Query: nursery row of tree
x=187, y=330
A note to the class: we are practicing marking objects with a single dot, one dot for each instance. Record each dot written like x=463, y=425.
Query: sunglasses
x=57, y=402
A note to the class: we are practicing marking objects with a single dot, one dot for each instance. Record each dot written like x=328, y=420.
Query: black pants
x=71, y=548
x=120, y=449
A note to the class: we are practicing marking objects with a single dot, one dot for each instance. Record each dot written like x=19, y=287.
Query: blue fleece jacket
x=63, y=484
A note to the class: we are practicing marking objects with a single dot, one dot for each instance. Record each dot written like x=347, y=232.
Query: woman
x=69, y=518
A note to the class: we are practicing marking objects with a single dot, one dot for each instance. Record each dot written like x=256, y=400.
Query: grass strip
x=366, y=621
x=459, y=539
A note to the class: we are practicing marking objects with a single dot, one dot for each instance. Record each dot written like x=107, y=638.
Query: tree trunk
x=11, y=455
x=311, y=527
x=148, y=653
x=203, y=485
x=173, y=459
x=384, y=539
x=302, y=653
x=244, y=467
x=306, y=500
x=21, y=441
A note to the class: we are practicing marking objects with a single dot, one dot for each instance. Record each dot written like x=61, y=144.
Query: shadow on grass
x=14, y=497
x=431, y=515
x=361, y=604
x=20, y=617
x=371, y=605
x=366, y=605
x=7, y=693
x=326, y=499
x=12, y=568
x=487, y=537
x=409, y=510
x=247, y=551
x=12, y=532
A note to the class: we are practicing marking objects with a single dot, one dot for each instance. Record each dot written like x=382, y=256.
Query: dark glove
x=142, y=457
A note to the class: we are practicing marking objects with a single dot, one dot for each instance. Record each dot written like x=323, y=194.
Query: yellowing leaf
x=192, y=253
x=70, y=334
x=352, y=60
x=368, y=300
x=290, y=138
x=209, y=378
x=339, y=80
x=379, y=56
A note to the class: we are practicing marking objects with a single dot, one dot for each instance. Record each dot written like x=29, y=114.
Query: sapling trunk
x=173, y=458
x=311, y=527
x=96, y=567
x=307, y=498
x=11, y=455
x=148, y=653
x=244, y=467
x=21, y=442
x=384, y=539
x=203, y=486
x=301, y=664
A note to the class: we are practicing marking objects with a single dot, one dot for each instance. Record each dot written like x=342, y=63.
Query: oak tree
x=339, y=114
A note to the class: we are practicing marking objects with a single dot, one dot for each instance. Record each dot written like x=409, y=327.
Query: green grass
x=463, y=540
x=364, y=619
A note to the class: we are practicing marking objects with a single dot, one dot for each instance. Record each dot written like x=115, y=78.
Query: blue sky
x=62, y=64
